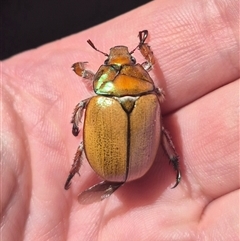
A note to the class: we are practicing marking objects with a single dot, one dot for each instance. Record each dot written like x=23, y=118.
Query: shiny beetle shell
x=121, y=144
x=122, y=129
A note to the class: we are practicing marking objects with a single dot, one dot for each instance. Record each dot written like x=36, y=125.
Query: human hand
x=195, y=46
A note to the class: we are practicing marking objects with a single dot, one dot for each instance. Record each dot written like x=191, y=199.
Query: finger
x=195, y=45
x=206, y=135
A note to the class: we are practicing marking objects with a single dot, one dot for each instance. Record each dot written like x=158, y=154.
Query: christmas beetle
x=122, y=128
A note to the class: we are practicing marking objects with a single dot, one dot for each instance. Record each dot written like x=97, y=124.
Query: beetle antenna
x=93, y=46
x=142, y=37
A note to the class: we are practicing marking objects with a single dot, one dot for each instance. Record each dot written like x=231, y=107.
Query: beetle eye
x=133, y=60
x=106, y=61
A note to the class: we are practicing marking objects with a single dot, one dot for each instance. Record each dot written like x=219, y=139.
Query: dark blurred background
x=27, y=24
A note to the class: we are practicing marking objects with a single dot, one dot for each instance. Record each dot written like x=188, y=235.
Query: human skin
x=196, y=47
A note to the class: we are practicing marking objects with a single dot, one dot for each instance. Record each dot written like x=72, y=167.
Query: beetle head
x=119, y=55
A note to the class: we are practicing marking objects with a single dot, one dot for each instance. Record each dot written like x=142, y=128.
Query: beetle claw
x=75, y=130
x=68, y=182
x=178, y=179
x=143, y=36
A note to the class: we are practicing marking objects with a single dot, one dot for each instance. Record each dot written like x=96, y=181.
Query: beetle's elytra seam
x=123, y=101
x=128, y=145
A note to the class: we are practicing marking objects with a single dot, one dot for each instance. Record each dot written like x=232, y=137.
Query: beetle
x=122, y=127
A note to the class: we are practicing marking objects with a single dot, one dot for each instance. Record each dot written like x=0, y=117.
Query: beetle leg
x=148, y=55
x=171, y=153
x=75, y=166
x=98, y=192
x=80, y=70
x=77, y=115
x=146, y=51
x=160, y=92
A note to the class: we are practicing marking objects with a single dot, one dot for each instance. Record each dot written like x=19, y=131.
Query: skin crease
x=195, y=44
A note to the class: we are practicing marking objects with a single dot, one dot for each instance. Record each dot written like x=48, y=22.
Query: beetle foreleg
x=80, y=70
x=98, y=192
x=77, y=116
x=75, y=166
x=148, y=55
x=171, y=153
x=145, y=50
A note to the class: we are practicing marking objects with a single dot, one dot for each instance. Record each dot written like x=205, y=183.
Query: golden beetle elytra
x=122, y=128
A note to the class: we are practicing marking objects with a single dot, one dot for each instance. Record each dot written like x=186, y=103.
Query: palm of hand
x=39, y=93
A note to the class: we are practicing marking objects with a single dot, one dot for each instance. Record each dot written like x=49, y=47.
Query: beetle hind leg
x=98, y=192
x=75, y=166
x=171, y=153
